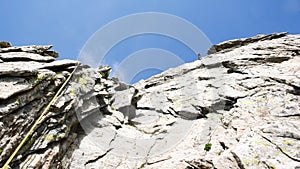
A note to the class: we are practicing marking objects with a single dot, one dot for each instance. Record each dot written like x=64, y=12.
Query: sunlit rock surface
x=239, y=107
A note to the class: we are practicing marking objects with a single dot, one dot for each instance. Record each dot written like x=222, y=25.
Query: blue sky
x=68, y=24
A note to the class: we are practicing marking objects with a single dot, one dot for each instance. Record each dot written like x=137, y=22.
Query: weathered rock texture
x=239, y=107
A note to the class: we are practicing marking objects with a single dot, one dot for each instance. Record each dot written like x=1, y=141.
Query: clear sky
x=67, y=24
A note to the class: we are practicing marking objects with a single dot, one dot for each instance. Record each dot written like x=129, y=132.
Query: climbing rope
x=6, y=165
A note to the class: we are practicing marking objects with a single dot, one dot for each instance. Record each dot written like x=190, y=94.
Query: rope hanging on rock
x=6, y=165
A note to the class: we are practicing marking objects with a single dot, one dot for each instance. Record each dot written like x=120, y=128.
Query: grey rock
x=19, y=68
x=19, y=56
x=4, y=44
x=30, y=68
x=30, y=49
x=238, y=107
x=13, y=85
x=104, y=71
x=122, y=101
x=236, y=43
x=26, y=89
x=42, y=50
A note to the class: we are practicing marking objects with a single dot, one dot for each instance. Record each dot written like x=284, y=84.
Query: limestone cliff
x=239, y=107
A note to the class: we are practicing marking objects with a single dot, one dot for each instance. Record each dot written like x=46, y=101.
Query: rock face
x=239, y=107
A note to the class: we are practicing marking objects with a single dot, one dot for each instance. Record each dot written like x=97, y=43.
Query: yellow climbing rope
x=6, y=165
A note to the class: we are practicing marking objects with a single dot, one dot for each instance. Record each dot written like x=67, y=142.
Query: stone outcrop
x=239, y=107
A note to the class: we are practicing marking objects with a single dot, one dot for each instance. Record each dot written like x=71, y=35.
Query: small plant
x=72, y=91
x=113, y=108
x=207, y=146
x=40, y=77
x=142, y=166
x=32, y=79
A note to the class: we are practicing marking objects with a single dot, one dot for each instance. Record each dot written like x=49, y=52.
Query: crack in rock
x=99, y=157
x=280, y=149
